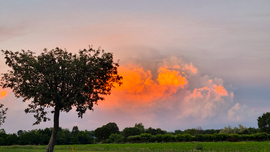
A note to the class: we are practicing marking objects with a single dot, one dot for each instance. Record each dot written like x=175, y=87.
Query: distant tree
x=131, y=131
x=264, y=122
x=84, y=137
x=2, y=114
x=191, y=131
x=226, y=130
x=64, y=137
x=140, y=126
x=60, y=80
x=160, y=131
x=151, y=130
x=253, y=130
x=75, y=130
x=116, y=138
x=112, y=126
x=235, y=130
x=102, y=133
x=74, y=135
x=178, y=132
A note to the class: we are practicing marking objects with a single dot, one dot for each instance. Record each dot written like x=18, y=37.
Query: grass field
x=151, y=147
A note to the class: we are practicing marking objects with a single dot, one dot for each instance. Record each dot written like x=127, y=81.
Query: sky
x=185, y=63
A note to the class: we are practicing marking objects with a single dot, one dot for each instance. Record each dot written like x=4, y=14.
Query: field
x=151, y=147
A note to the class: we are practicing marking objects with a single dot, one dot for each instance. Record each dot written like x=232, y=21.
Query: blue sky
x=226, y=41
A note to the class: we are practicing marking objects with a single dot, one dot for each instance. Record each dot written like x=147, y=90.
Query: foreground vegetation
x=151, y=147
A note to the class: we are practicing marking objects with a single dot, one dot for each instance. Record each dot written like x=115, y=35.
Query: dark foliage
x=3, y=112
x=264, y=122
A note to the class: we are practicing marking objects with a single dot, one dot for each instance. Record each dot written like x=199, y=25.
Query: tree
x=75, y=130
x=102, y=133
x=60, y=80
x=131, y=131
x=112, y=126
x=140, y=126
x=264, y=122
x=2, y=114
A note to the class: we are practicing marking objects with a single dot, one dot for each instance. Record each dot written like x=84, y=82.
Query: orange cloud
x=191, y=68
x=172, y=84
x=220, y=89
x=3, y=93
x=139, y=84
x=140, y=87
x=171, y=77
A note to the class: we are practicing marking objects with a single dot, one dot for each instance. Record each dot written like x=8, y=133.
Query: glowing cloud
x=171, y=77
x=220, y=89
x=139, y=84
x=3, y=93
x=171, y=89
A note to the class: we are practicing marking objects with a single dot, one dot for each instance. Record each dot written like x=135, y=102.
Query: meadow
x=151, y=147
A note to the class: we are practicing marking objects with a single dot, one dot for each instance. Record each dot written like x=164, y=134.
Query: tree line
x=110, y=133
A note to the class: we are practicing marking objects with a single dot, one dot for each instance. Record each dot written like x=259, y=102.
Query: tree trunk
x=52, y=141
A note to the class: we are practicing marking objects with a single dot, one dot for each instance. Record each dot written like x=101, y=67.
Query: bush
x=131, y=131
x=209, y=137
x=167, y=138
x=159, y=137
x=234, y=138
x=260, y=136
x=199, y=137
x=184, y=137
x=153, y=139
x=248, y=137
x=145, y=137
x=221, y=137
x=187, y=137
x=107, y=141
x=116, y=138
x=134, y=139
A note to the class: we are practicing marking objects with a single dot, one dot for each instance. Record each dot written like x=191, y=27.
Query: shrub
x=199, y=137
x=221, y=137
x=234, y=138
x=131, y=131
x=248, y=137
x=167, y=138
x=116, y=138
x=209, y=137
x=107, y=141
x=179, y=137
x=134, y=139
x=184, y=137
x=145, y=137
x=187, y=137
x=159, y=137
x=260, y=136
x=153, y=139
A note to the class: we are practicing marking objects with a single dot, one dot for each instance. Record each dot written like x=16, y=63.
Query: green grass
x=150, y=147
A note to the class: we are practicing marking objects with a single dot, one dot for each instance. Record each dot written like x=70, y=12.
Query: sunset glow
x=139, y=84
x=220, y=89
x=3, y=93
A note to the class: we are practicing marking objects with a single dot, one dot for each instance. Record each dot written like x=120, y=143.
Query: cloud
x=241, y=112
x=166, y=91
x=10, y=32
x=3, y=93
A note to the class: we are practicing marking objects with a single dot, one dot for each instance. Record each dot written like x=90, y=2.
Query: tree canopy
x=264, y=122
x=60, y=80
x=2, y=114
